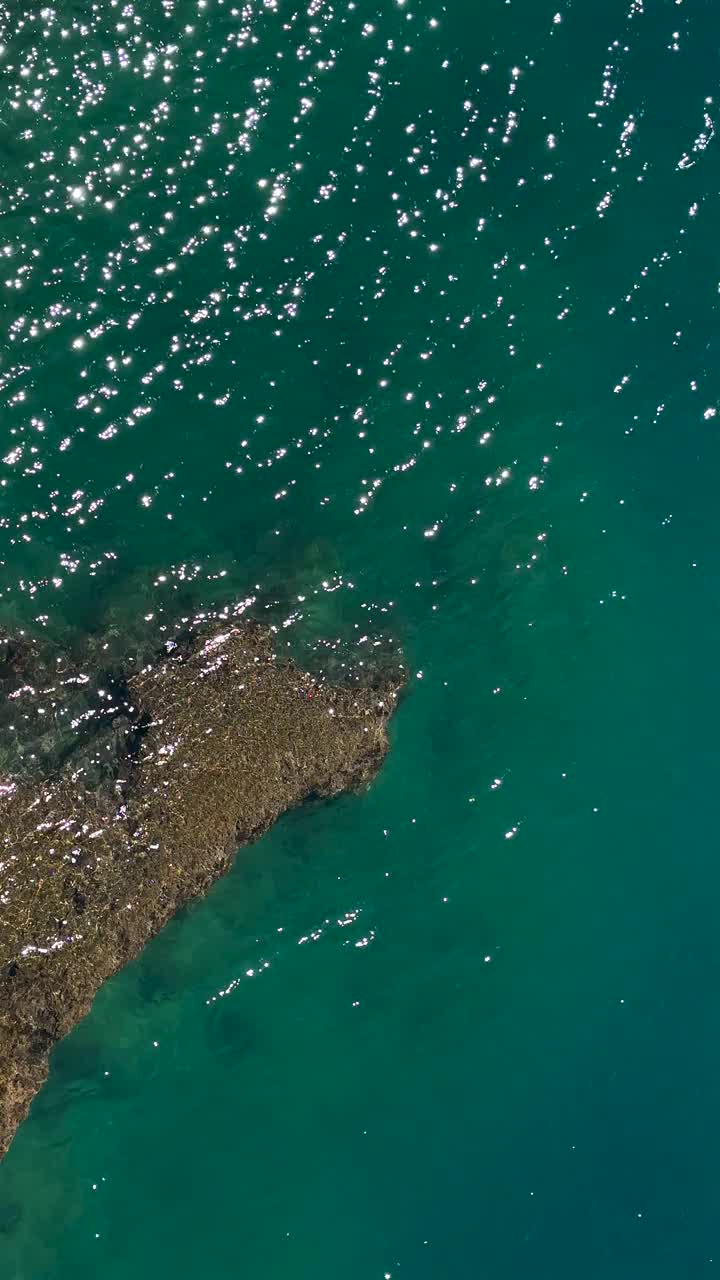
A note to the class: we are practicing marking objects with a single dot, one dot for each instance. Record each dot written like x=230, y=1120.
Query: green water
x=395, y=318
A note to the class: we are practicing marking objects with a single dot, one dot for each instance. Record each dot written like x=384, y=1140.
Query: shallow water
x=396, y=319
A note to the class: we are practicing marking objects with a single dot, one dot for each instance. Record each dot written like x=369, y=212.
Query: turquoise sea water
x=397, y=317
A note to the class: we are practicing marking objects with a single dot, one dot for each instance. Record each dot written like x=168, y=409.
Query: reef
x=159, y=779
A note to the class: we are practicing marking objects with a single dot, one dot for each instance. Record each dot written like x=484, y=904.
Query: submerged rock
x=216, y=740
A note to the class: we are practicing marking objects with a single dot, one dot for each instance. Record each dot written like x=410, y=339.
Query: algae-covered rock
x=218, y=737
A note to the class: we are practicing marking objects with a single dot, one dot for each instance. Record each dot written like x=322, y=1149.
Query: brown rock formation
x=225, y=737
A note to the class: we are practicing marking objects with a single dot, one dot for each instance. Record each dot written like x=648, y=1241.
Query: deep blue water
x=398, y=318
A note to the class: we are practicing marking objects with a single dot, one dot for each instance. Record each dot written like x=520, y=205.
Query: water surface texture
x=401, y=318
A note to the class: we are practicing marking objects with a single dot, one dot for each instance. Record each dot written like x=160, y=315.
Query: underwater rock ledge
x=222, y=737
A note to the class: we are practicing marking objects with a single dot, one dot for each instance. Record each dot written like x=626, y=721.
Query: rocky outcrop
x=214, y=741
